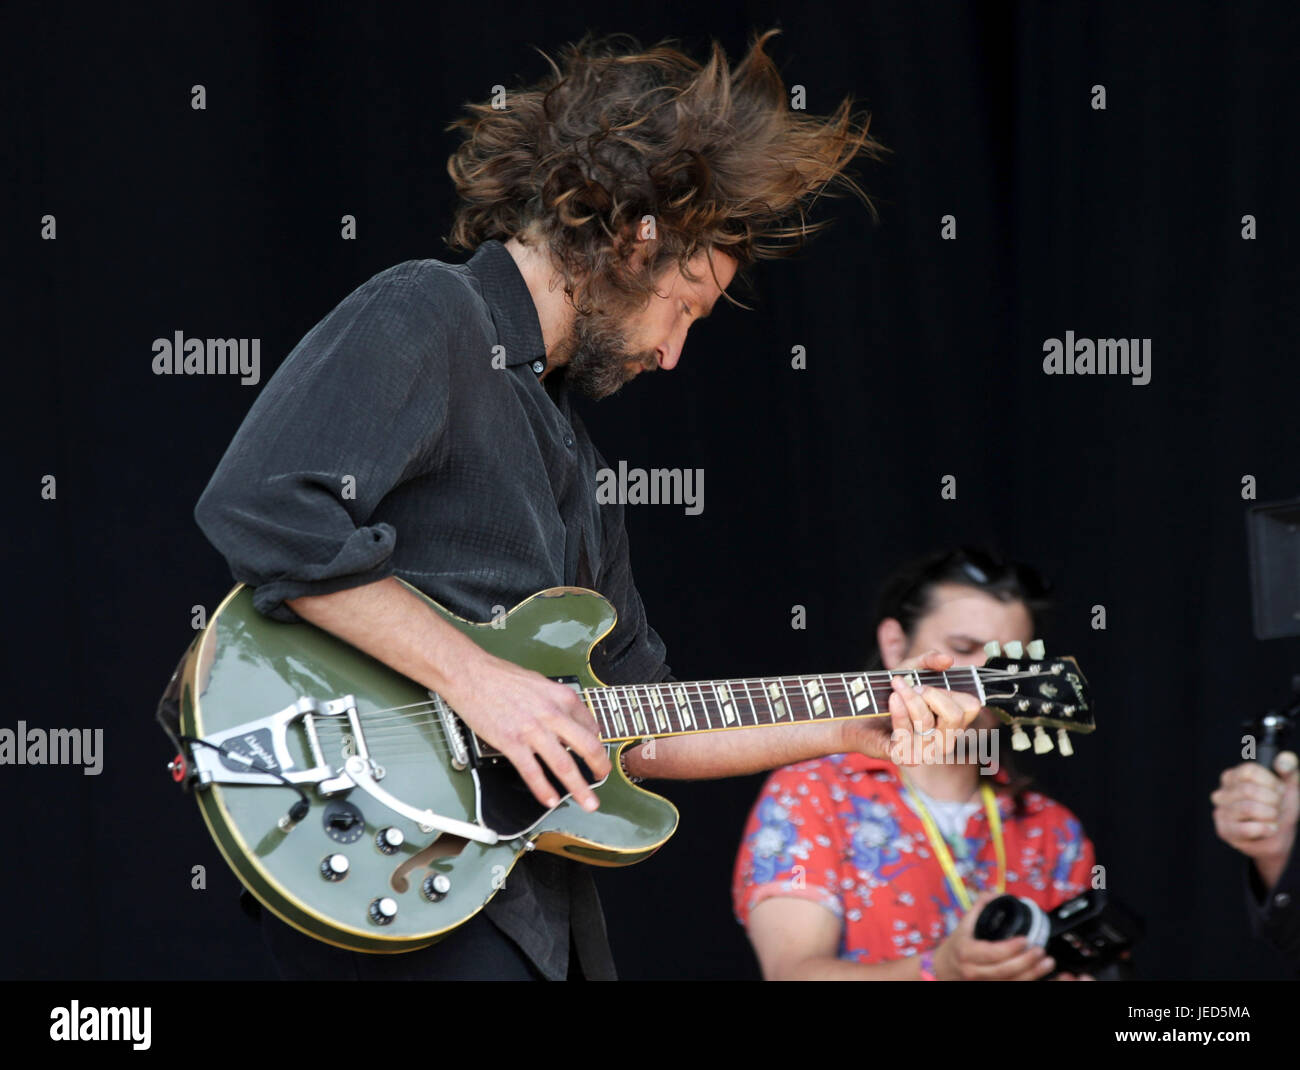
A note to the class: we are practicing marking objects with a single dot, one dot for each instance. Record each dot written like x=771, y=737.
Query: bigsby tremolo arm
x=260, y=753
x=358, y=769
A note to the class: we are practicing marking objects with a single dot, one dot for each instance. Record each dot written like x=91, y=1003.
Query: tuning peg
x=1042, y=741
x=1019, y=740
x=1014, y=649
x=993, y=648
x=1035, y=649
x=1063, y=743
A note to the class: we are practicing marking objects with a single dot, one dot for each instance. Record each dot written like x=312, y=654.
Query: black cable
x=296, y=812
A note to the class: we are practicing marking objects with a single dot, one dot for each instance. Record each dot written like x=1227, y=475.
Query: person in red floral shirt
x=858, y=869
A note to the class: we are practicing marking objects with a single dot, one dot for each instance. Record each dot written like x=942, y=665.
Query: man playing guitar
x=423, y=430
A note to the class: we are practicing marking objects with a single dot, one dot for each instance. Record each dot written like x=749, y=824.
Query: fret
x=699, y=704
x=619, y=712
x=723, y=696
x=785, y=690
x=775, y=702
x=861, y=694
x=816, y=690
x=657, y=708
x=630, y=711
x=638, y=717
x=592, y=698
x=620, y=693
x=704, y=705
x=749, y=697
x=807, y=701
x=683, y=706
x=609, y=702
x=639, y=697
x=875, y=706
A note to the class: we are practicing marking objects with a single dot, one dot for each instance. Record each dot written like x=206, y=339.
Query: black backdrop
x=924, y=360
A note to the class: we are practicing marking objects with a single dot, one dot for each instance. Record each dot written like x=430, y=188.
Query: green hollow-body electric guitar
x=359, y=808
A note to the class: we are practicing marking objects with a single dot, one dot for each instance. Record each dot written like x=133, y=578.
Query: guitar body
x=244, y=667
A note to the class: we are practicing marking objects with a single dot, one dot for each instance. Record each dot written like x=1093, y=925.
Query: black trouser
x=477, y=951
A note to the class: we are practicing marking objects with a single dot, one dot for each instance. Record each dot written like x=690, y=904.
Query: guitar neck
x=640, y=711
x=675, y=708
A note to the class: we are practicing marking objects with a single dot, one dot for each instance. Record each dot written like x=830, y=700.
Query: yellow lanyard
x=944, y=856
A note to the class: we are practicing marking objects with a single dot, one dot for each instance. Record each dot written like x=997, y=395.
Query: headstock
x=1025, y=687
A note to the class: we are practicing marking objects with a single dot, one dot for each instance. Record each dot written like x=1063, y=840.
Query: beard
x=598, y=355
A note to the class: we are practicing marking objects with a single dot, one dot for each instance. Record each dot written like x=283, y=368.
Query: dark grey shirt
x=1275, y=914
x=408, y=435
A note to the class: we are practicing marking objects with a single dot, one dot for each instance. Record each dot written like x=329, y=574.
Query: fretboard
x=638, y=711
x=642, y=711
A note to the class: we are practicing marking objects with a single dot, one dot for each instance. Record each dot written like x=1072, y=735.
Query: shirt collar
x=510, y=303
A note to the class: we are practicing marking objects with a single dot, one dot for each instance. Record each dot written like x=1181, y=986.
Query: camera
x=1083, y=935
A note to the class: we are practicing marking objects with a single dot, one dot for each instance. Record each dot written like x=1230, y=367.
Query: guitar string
x=415, y=724
x=756, y=684
x=835, y=690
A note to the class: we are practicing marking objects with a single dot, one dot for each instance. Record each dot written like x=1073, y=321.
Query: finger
x=902, y=750
x=1042, y=970
x=1249, y=810
x=1265, y=793
x=1026, y=966
x=575, y=727
x=1257, y=792
x=948, y=714
x=1251, y=773
x=919, y=713
x=931, y=659
x=1250, y=830
x=531, y=773
x=995, y=952
x=566, y=770
x=1033, y=965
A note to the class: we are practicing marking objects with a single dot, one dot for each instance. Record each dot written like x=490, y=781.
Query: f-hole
x=445, y=846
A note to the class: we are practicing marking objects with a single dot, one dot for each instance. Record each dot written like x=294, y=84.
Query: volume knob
x=436, y=887
x=334, y=867
x=388, y=840
x=382, y=910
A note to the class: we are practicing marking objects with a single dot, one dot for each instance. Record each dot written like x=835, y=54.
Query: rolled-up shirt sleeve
x=356, y=408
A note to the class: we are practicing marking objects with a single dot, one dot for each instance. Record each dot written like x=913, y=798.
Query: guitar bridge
x=257, y=752
x=263, y=745
x=452, y=729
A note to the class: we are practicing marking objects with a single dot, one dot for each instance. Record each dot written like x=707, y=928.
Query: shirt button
x=539, y=367
x=568, y=441
x=1282, y=899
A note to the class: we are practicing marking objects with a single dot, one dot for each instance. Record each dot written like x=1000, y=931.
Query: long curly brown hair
x=615, y=137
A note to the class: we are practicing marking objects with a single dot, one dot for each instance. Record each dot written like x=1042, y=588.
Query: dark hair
x=908, y=595
x=715, y=154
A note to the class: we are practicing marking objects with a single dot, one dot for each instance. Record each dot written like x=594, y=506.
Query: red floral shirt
x=842, y=832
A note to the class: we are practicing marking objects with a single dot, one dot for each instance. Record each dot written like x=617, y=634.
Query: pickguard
x=507, y=806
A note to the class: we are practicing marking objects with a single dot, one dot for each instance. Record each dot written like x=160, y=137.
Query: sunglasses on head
x=984, y=569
